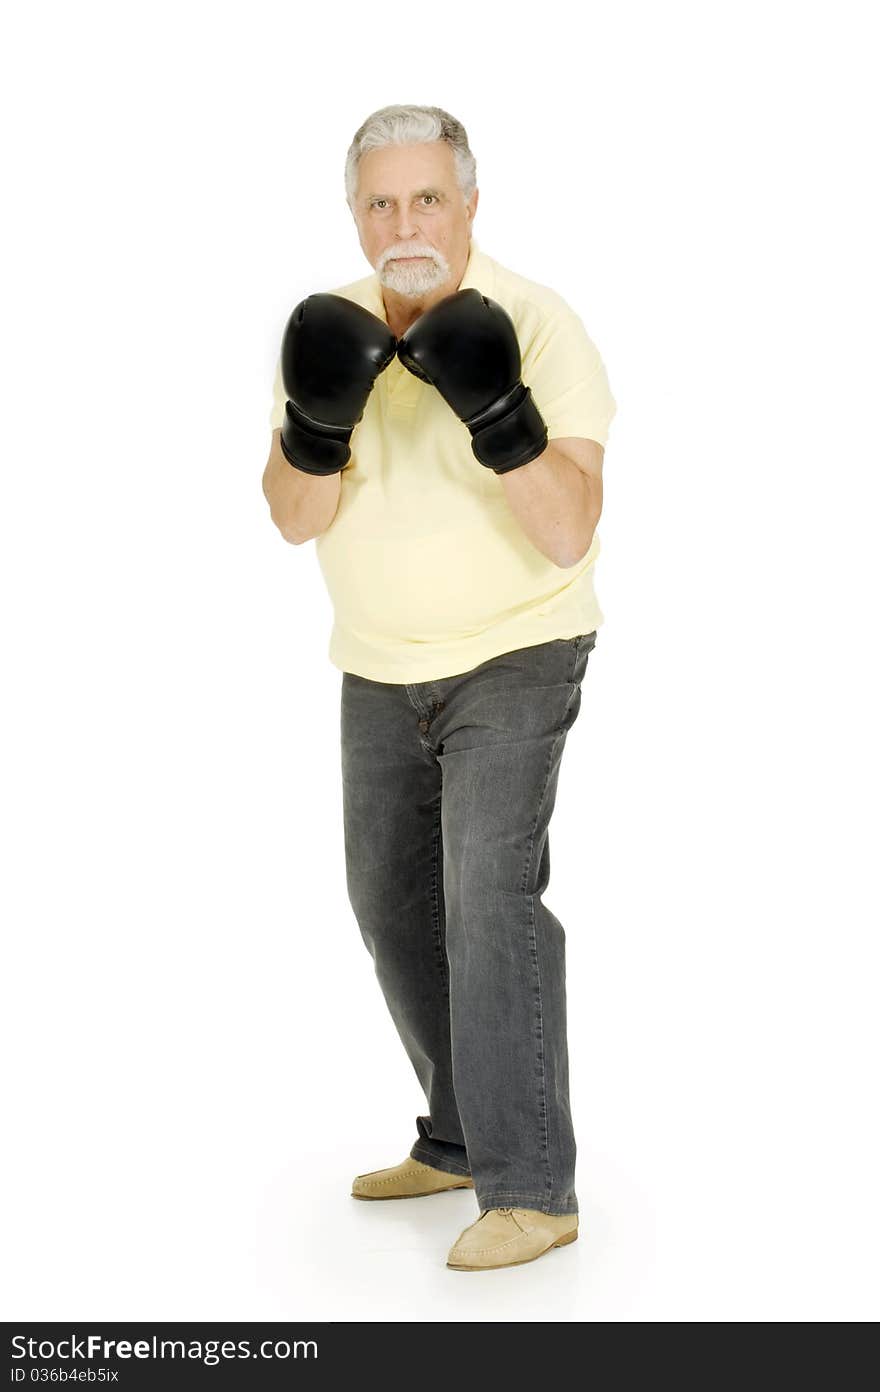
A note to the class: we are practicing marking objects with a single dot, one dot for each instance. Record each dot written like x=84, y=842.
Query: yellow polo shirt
x=428, y=570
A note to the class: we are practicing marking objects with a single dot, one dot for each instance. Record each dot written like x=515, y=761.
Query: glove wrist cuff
x=312, y=446
x=515, y=434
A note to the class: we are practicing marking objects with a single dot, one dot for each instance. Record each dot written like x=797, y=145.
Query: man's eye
x=380, y=202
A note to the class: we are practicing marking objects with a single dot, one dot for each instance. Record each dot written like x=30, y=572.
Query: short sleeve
x=279, y=400
x=568, y=380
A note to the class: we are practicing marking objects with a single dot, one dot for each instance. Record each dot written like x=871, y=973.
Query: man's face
x=413, y=223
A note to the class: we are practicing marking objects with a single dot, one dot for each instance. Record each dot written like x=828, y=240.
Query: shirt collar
x=478, y=273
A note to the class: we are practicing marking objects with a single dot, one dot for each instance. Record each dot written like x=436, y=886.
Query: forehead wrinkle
x=415, y=194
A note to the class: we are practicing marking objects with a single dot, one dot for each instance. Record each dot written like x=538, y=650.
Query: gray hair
x=411, y=125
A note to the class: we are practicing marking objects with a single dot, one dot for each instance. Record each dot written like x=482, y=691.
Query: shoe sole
x=497, y=1266
x=422, y=1194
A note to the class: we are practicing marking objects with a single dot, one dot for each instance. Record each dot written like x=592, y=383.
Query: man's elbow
x=567, y=560
x=577, y=551
x=283, y=525
x=295, y=538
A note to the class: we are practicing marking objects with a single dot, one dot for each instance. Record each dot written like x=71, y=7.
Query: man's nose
x=407, y=225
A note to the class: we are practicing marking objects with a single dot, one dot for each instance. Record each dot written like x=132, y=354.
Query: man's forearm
x=556, y=504
x=302, y=505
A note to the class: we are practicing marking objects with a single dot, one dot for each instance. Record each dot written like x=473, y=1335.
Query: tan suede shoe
x=509, y=1237
x=408, y=1180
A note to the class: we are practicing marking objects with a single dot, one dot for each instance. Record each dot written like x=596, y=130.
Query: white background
x=197, y=1055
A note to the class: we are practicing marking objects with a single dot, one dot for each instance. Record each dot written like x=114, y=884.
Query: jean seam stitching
x=533, y=943
x=517, y=1194
x=439, y=949
x=515, y=1199
x=542, y=1088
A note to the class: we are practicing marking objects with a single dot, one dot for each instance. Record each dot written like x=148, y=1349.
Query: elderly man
x=439, y=428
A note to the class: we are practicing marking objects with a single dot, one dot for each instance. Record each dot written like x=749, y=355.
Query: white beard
x=415, y=279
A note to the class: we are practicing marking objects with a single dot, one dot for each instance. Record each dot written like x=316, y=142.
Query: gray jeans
x=448, y=790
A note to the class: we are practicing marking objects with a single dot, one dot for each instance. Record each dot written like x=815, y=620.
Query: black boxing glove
x=466, y=347
x=331, y=354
